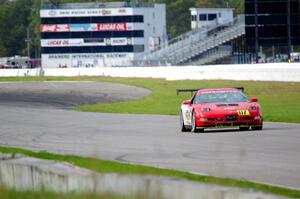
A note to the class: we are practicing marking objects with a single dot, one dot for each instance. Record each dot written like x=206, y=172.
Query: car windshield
x=223, y=97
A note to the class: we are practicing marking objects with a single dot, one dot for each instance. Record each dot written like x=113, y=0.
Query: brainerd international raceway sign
x=85, y=60
x=85, y=12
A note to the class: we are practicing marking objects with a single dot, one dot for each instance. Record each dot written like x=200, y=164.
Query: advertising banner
x=61, y=42
x=48, y=28
x=86, y=27
x=71, y=42
x=112, y=27
x=55, y=28
x=86, y=12
x=122, y=41
x=63, y=28
x=114, y=41
x=87, y=60
x=83, y=27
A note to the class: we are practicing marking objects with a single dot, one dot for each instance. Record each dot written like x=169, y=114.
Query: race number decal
x=187, y=115
x=243, y=112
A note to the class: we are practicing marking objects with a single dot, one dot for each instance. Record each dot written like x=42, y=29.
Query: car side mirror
x=254, y=100
x=186, y=102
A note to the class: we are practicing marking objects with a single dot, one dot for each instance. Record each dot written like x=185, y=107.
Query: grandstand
x=201, y=46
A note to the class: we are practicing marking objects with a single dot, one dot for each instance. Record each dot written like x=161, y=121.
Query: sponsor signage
x=87, y=60
x=48, y=28
x=112, y=27
x=87, y=56
x=86, y=27
x=83, y=27
x=63, y=28
x=55, y=28
x=119, y=41
x=61, y=42
x=85, y=13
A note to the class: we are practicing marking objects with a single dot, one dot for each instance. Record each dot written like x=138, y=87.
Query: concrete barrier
x=287, y=72
x=19, y=72
x=25, y=173
x=256, y=72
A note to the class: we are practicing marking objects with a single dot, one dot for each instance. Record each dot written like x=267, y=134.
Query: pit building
x=99, y=34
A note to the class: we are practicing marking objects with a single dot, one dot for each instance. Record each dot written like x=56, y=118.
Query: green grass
x=279, y=100
x=6, y=193
x=105, y=166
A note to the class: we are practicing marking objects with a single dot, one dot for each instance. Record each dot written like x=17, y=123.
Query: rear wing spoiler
x=178, y=91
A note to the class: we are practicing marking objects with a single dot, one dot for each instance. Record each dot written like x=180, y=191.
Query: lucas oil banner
x=84, y=27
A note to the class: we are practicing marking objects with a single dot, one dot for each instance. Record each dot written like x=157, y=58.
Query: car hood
x=225, y=107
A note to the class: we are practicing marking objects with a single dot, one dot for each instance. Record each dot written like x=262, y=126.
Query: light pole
x=28, y=40
x=289, y=29
x=28, y=43
x=256, y=30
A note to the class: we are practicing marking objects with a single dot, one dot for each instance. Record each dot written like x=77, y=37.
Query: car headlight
x=253, y=108
x=203, y=119
x=257, y=118
x=206, y=109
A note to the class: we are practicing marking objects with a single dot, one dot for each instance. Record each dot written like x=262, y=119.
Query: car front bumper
x=240, y=122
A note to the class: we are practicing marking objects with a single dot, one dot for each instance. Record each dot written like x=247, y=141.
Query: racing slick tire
x=182, y=126
x=194, y=125
x=257, y=128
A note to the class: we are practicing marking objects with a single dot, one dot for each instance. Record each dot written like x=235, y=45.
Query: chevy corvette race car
x=220, y=108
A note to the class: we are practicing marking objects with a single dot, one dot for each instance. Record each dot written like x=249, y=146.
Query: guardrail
x=212, y=55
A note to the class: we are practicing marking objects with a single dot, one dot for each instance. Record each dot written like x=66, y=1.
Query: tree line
x=20, y=19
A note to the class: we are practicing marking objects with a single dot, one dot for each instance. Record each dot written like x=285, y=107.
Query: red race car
x=220, y=108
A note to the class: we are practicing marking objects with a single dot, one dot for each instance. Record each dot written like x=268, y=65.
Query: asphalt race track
x=269, y=156
x=66, y=94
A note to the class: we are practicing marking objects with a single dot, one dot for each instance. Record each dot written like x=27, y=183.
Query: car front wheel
x=194, y=125
x=182, y=126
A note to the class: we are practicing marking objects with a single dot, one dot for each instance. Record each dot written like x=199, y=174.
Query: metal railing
x=192, y=44
x=213, y=55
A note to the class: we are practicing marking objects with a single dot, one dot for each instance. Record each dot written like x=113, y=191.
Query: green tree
x=238, y=5
x=16, y=16
x=206, y=4
x=178, y=16
x=3, y=13
x=34, y=28
x=13, y=23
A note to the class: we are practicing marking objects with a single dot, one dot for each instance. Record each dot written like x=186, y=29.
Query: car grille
x=231, y=117
x=247, y=118
x=214, y=119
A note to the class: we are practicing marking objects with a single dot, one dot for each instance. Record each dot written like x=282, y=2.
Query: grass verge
x=105, y=166
x=6, y=193
x=279, y=100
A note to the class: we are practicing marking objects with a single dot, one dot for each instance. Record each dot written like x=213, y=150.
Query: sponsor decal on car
x=243, y=112
x=187, y=115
